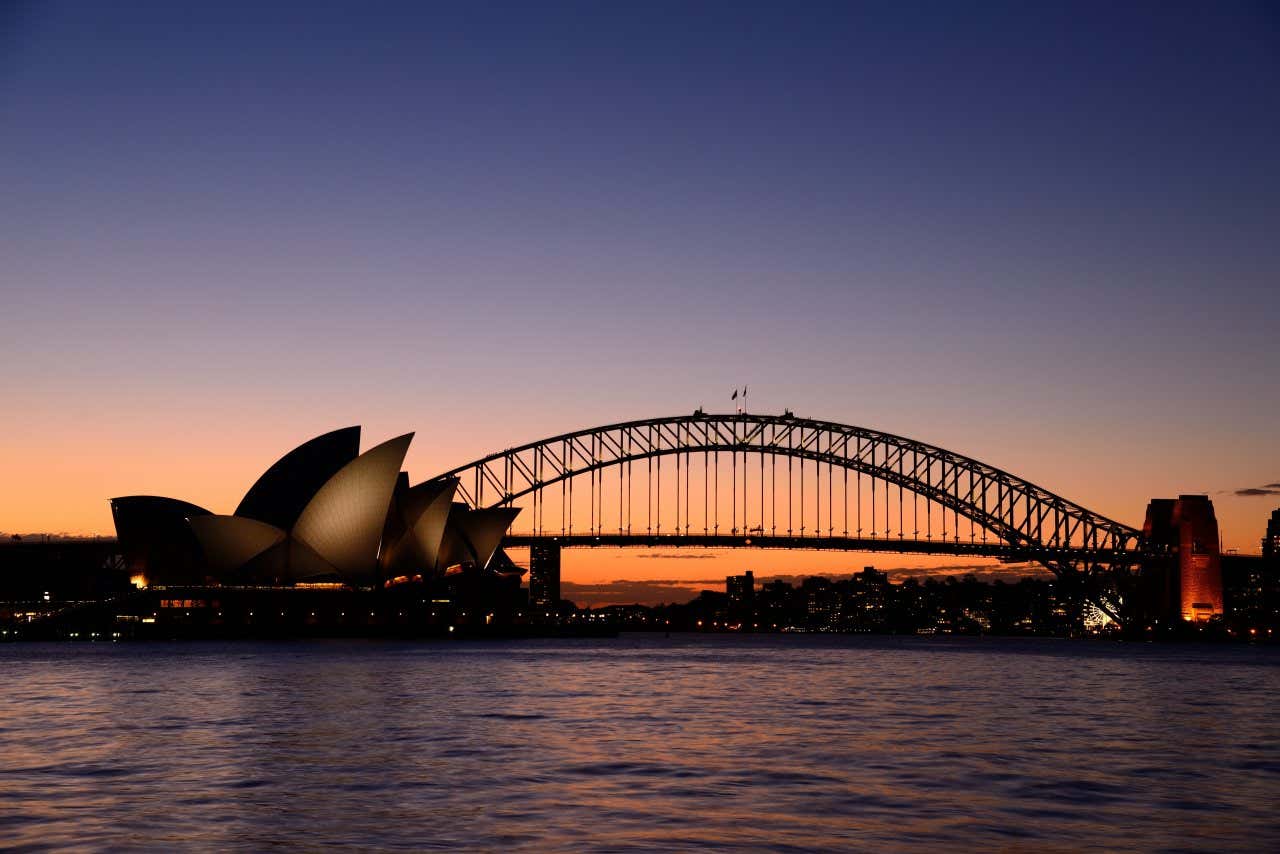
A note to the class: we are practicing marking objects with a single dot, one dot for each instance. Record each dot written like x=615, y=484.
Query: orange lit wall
x=1199, y=562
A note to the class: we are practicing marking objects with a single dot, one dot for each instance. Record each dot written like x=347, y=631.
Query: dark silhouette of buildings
x=544, y=575
x=46, y=570
x=1221, y=595
x=1251, y=585
x=343, y=541
x=741, y=590
x=868, y=602
x=154, y=537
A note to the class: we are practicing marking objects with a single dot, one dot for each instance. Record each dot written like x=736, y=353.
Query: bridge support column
x=1186, y=584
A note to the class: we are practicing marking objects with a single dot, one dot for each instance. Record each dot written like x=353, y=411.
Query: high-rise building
x=871, y=588
x=741, y=590
x=544, y=575
x=1271, y=542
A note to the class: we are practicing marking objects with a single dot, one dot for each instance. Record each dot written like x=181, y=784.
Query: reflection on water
x=643, y=743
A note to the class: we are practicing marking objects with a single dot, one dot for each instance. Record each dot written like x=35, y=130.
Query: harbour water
x=641, y=743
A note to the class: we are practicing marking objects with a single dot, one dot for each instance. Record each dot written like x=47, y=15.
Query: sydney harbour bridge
x=780, y=481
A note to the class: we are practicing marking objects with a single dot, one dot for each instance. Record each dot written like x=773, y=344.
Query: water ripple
x=640, y=744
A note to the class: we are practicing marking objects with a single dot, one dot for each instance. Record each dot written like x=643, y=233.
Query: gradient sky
x=1043, y=235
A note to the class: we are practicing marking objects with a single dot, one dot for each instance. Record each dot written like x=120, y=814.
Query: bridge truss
x=778, y=480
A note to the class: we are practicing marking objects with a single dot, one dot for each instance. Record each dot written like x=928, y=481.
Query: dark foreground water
x=641, y=744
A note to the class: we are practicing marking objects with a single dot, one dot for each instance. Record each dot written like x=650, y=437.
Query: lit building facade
x=1188, y=583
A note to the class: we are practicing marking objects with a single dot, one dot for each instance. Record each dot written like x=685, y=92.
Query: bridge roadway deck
x=1000, y=550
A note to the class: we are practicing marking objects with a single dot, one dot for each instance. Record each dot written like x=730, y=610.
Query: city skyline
x=944, y=226
x=597, y=588
x=730, y=425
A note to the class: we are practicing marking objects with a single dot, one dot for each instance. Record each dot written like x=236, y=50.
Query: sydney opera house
x=323, y=515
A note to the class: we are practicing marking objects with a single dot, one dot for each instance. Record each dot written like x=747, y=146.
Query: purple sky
x=1043, y=235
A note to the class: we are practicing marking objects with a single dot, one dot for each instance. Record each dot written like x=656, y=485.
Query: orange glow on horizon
x=59, y=480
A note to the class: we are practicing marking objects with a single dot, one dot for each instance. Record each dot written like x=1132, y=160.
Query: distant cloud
x=1253, y=491
x=980, y=571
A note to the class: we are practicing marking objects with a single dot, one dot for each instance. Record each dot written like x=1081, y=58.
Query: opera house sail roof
x=230, y=542
x=323, y=511
x=339, y=528
x=416, y=526
x=482, y=530
x=279, y=496
x=153, y=531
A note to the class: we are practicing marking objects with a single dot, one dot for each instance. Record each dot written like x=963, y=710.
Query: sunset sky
x=1043, y=235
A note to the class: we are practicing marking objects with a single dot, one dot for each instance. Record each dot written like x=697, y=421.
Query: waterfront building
x=1270, y=571
x=544, y=575
x=155, y=541
x=1271, y=541
x=741, y=590
x=323, y=513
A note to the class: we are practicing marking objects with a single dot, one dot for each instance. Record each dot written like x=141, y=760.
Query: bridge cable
x=648, y=495
x=915, y=497
x=773, y=493
x=928, y=505
x=844, y=501
x=706, y=491
x=622, y=445
x=972, y=535
x=859, y=490
x=802, y=526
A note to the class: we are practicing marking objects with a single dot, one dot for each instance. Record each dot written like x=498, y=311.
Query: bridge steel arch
x=1031, y=522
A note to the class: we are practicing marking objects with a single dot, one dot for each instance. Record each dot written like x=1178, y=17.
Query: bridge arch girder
x=940, y=497
x=1016, y=511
